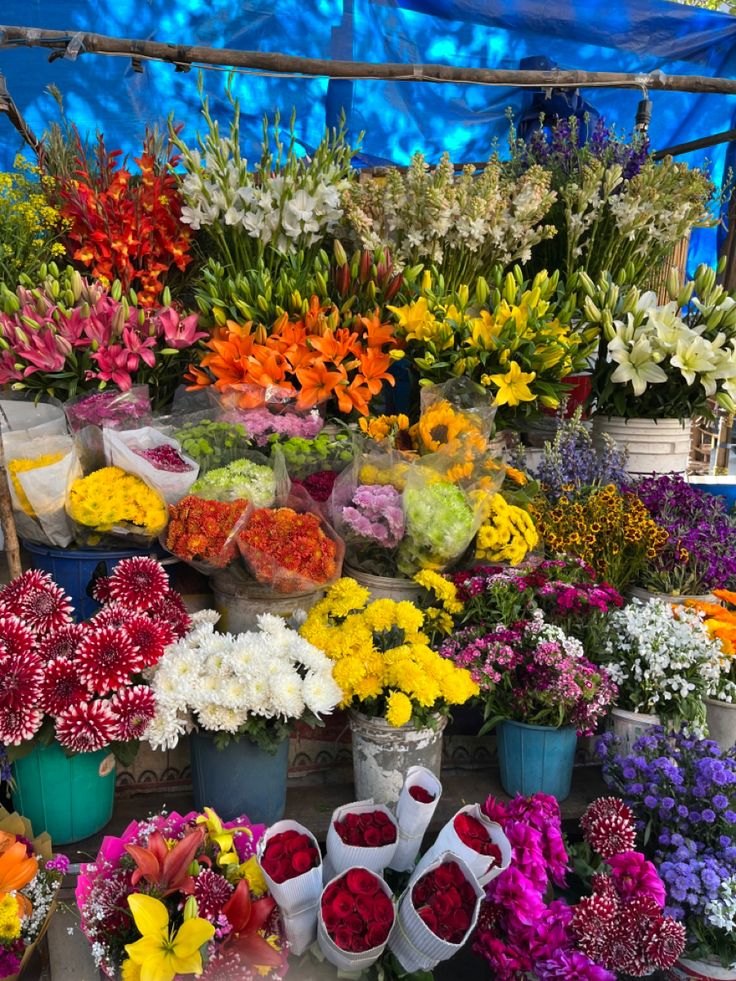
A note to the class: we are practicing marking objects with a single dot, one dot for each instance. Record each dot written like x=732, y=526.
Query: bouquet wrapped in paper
x=436, y=914
x=291, y=862
x=155, y=458
x=39, y=473
x=362, y=833
x=478, y=841
x=356, y=916
x=417, y=803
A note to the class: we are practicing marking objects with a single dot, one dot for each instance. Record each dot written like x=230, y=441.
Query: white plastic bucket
x=653, y=446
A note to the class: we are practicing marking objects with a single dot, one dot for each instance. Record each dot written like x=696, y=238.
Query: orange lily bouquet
x=178, y=896
x=29, y=882
x=720, y=619
x=320, y=356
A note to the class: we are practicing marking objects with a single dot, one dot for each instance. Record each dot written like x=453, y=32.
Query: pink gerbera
x=150, y=637
x=106, y=659
x=19, y=725
x=61, y=687
x=63, y=642
x=16, y=637
x=86, y=727
x=20, y=677
x=138, y=582
x=170, y=607
x=132, y=710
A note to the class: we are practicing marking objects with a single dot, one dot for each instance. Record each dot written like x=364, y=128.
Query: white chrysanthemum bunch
x=222, y=682
x=662, y=658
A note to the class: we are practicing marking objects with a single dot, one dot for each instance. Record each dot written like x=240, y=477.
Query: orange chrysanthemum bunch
x=317, y=356
x=126, y=227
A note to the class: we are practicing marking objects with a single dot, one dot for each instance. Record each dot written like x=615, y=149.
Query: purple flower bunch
x=518, y=931
x=559, y=149
x=261, y=424
x=682, y=791
x=533, y=672
x=375, y=514
x=573, y=466
x=6, y=771
x=112, y=409
x=700, y=554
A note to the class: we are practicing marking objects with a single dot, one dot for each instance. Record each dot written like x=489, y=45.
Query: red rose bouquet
x=290, y=551
x=436, y=914
x=292, y=867
x=417, y=803
x=355, y=919
x=473, y=837
x=363, y=834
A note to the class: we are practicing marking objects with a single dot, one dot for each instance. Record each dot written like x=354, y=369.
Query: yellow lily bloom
x=222, y=837
x=513, y=387
x=483, y=331
x=162, y=953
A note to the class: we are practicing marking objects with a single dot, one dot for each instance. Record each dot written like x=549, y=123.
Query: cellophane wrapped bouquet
x=182, y=895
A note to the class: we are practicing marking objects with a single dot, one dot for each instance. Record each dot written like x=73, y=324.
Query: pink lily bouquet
x=70, y=336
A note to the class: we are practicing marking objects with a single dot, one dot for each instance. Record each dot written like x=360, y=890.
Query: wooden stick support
x=12, y=545
x=76, y=43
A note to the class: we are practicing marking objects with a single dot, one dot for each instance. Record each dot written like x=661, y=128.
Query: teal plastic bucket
x=65, y=795
x=76, y=569
x=241, y=779
x=536, y=759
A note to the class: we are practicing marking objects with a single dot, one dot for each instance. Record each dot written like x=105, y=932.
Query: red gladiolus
x=421, y=795
x=357, y=913
x=289, y=855
x=371, y=830
x=445, y=901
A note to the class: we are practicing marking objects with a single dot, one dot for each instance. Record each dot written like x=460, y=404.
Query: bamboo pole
x=12, y=545
x=74, y=43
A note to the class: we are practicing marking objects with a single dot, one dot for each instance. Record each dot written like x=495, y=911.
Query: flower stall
x=394, y=461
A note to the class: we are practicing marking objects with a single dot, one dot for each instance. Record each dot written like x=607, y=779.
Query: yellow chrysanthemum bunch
x=507, y=535
x=384, y=664
x=9, y=919
x=23, y=465
x=612, y=531
x=111, y=497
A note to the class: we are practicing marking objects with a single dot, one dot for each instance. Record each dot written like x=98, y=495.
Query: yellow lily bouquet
x=383, y=661
x=517, y=339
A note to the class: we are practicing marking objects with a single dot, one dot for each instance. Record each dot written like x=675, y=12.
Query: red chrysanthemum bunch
x=621, y=926
x=198, y=530
x=356, y=912
x=85, y=677
x=445, y=901
x=288, y=550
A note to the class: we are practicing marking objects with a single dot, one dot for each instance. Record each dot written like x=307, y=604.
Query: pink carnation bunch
x=85, y=677
x=375, y=514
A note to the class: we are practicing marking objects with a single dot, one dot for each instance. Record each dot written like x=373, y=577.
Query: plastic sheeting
x=399, y=117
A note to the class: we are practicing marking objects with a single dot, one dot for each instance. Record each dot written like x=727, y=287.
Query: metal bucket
x=239, y=603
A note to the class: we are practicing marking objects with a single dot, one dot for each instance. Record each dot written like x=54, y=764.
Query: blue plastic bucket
x=75, y=569
x=536, y=759
x=70, y=797
x=241, y=779
x=717, y=486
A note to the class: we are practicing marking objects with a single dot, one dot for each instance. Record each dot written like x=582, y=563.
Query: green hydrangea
x=439, y=525
x=241, y=479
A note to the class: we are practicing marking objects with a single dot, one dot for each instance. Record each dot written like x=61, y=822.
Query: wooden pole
x=12, y=545
x=75, y=43
x=8, y=106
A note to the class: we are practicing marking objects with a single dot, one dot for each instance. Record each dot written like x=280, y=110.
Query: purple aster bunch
x=375, y=515
x=6, y=771
x=700, y=554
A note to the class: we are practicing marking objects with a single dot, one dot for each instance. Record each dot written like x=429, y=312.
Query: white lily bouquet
x=672, y=357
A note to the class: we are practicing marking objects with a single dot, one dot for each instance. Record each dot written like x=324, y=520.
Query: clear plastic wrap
x=290, y=549
x=201, y=532
x=154, y=457
x=454, y=412
x=268, y=412
x=88, y=414
x=39, y=473
x=252, y=477
x=110, y=504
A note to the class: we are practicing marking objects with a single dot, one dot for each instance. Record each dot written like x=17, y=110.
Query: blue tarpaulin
x=397, y=118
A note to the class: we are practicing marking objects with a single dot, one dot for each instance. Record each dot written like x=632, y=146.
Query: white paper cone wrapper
x=448, y=841
x=297, y=898
x=345, y=960
x=411, y=940
x=341, y=857
x=414, y=817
